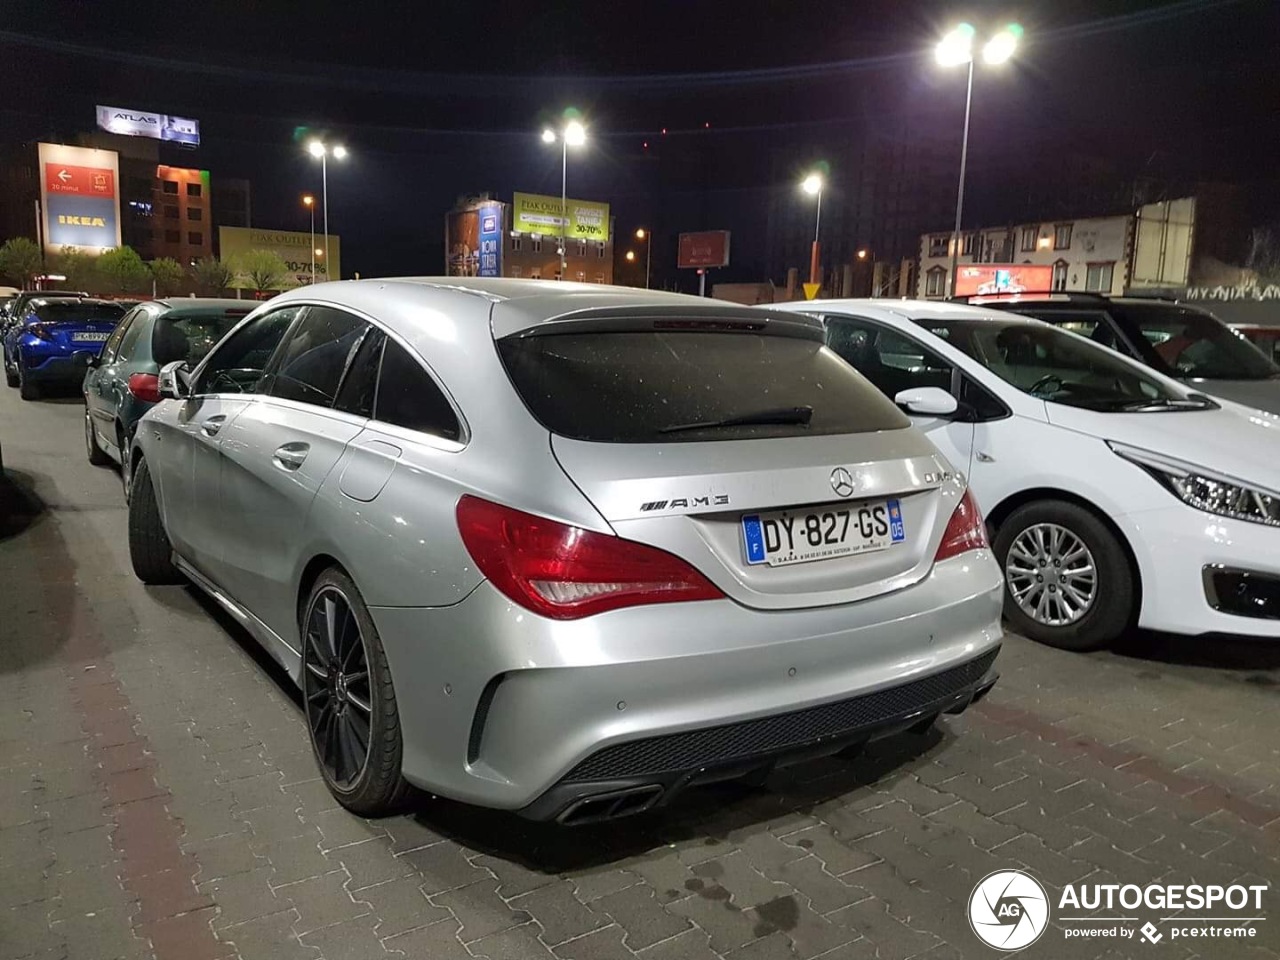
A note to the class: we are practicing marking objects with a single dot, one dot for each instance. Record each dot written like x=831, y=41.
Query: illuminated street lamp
x=321, y=152
x=631, y=256
x=574, y=134
x=309, y=202
x=953, y=50
x=812, y=185
x=647, y=237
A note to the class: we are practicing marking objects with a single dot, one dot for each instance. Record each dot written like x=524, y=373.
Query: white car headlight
x=1206, y=489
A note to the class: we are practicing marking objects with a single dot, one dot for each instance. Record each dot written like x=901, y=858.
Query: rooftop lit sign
x=157, y=126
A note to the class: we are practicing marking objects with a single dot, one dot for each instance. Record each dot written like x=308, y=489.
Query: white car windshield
x=1057, y=366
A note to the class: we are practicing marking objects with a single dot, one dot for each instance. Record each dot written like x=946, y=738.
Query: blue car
x=53, y=342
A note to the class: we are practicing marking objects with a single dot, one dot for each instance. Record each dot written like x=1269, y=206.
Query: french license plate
x=88, y=337
x=784, y=537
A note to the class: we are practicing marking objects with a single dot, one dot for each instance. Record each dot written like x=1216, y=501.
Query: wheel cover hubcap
x=336, y=686
x=1051, y=575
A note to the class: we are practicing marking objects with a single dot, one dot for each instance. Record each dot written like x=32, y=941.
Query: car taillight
x=965, y=530
x=145, y=386
x=565, y=572
x=39, y=330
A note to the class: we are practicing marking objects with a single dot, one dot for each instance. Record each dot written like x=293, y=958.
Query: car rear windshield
x=1180, y=342
x=71, y=312
x=176, y=337
x=660, y=386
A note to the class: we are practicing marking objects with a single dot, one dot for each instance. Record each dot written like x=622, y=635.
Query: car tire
x=26, y=389
x=10, y=374
x=97, y=456
x=370, y=785
x=149, y=549
x=1028, y=543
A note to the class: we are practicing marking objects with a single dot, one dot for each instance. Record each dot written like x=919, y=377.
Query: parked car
x=563, y=548
x=18, y=307
x=1174, y=339
x=121, y=383
x=1265, y=338
x=56, y=342
x=1114, y=495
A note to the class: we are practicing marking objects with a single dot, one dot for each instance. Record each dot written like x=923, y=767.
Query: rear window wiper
x=778, y=415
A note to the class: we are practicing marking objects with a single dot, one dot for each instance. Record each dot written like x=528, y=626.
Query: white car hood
x=1236, y=441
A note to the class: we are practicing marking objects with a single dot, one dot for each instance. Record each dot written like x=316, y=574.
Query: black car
x=1172, y=338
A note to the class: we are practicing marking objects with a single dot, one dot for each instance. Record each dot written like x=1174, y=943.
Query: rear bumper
x=499, y=707
x=642, y=774
x=60, y=367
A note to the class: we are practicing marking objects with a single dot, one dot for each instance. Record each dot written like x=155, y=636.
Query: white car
x=1116, y=496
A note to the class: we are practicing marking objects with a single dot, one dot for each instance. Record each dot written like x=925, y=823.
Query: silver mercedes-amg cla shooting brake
x=564, y=549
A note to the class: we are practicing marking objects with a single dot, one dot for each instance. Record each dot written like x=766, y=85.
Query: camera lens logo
x=1008, y=910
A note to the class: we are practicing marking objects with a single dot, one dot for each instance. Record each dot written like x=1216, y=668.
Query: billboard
x=79, y=198
x=993, y=279
x=490, y=222
x=294, y=248
x=157, y=126
x=707, y=249
x=534, y=213
x=462, y=243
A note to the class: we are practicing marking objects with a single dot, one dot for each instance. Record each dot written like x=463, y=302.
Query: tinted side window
x=237, y=364
x=1088, y=323
x=359, y=385
x=888, y=359
x=315, y=357
x=131, y=336
x=113, y=342
x=408, y=397
x=985, y=406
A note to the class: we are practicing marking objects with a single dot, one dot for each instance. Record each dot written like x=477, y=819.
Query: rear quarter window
x=654, y=386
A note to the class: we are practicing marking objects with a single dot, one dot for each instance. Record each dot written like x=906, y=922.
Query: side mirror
x=175, y=378
x=93, y=360
x=927, y=402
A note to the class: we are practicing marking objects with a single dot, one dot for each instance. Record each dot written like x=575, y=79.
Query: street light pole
x=812, y=185
x=964, y=160
x=564, y=207
x=321, y=152
x=310, y=203
x=647, y=237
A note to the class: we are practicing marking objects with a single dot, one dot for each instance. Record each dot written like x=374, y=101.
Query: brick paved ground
x=157, y=797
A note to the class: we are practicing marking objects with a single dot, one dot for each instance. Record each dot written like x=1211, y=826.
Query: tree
x=80, y=269
x=168, y=275
x=212, y=276
x=20, y=260
x=122, y=271
x=262, y=270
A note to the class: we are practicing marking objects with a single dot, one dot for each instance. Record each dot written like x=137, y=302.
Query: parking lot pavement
x=157, y=796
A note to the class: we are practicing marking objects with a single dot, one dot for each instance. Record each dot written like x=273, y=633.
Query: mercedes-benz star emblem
x=842, y=482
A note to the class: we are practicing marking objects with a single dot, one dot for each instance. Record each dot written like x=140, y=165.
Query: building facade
x=182, y=222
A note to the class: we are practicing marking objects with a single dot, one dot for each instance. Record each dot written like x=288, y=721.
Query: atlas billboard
x=293, y=247
x=707, y=249
x=79, y=198
x=156, y=126
x=534, y=213
x=995, y=279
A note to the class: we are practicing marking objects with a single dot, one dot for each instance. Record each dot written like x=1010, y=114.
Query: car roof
x=84, y=301
x=511, y=305
x=203, y=306
x=910, y=310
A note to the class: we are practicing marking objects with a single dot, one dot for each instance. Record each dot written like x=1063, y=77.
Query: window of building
x=1098, y=277
x=1062, y=236
x=195, y=239
x=967, y=248
x=582, y=248
x=409, y=398
x=195, y=190
x=169, y=186
x=515, y=272
x=517, y=243
x=1060, y=275
x=599, y=278
x=536, y=245
x=173, y=236
x=195, y=213
x=1029, y=235
x=171, y=211
x=938, y=245
x=935, y=282
x=600, y=251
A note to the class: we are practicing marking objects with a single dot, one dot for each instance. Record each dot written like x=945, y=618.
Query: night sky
x=450, y=98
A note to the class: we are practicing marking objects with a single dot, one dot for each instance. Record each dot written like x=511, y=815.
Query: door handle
x=213, y=424
x=291, y=456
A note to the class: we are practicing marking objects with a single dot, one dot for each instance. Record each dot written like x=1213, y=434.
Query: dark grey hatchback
x=122, y=383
